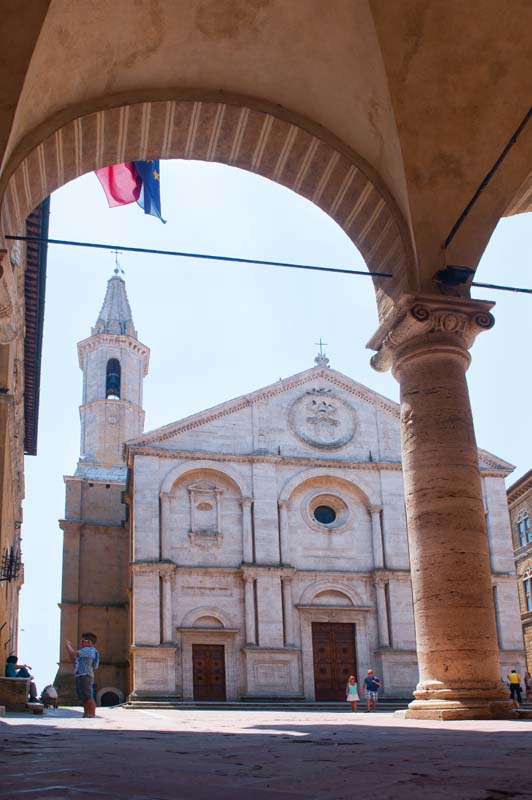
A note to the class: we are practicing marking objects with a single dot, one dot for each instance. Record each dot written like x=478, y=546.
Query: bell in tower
x=112, y=382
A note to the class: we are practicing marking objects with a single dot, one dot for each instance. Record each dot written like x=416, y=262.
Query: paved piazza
x=232, y=755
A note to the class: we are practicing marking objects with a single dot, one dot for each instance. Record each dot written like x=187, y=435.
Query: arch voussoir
x=266, y=142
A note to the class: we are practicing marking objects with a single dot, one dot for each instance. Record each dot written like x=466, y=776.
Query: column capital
x=282, y=503
x=246, y=502
x=449, y=321
x=375, y=509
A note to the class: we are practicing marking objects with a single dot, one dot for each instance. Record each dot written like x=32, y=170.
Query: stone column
x=425, y=341
x=376, y=531
x=249, y=609
x=286, y=582
x=283, y=532
x=247, y=531
x=382, y=612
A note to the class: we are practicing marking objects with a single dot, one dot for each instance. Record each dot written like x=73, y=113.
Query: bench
x=14, y=693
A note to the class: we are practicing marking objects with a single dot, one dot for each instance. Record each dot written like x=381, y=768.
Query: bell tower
x=96, y=548
x=114, y=365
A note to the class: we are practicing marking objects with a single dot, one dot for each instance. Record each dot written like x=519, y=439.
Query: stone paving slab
x=222, y=755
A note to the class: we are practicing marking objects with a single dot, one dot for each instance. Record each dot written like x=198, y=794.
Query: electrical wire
x=236, y=260
x=205, y=256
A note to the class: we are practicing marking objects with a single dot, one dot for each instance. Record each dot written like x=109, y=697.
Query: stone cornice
x=84, y=479
x=252, y=570
x=120, y=339
x=150, y=567
x=496, y=468
x=113, y=404
x=330, y=607
x=447, y=319
x=520, y=488
x=255, y=458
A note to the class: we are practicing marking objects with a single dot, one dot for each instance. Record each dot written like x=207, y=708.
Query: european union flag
x=133, y=182
x=150, y=193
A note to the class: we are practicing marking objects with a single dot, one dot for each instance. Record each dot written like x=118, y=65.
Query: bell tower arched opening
x=112, y=379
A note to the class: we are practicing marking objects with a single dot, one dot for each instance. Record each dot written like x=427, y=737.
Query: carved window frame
x=527, y=589
x=524, y=530
x=205, y=491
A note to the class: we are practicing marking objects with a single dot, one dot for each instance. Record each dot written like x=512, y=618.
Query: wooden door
x=333, y=646
x=208, y=671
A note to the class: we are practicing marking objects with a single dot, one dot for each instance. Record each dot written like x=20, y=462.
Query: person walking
x=514, y=679
x=372, y=684
x=351, y=692
x=85, y=661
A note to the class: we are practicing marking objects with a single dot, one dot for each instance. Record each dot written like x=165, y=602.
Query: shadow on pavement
x=226, y=756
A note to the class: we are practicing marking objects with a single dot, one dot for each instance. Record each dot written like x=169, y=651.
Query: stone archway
x=236, y=131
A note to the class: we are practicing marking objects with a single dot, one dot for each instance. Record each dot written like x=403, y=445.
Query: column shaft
x=456, y=635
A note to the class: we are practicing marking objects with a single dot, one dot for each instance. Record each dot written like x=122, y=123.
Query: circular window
x=325, y=515
x=325, y=512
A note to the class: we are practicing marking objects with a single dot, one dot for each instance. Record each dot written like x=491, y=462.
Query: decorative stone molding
x=206, y=541
x=117, y=339
x=161, y=568
x=322, y=419
x=9, y=307
x=447, y=320
x=177, y=472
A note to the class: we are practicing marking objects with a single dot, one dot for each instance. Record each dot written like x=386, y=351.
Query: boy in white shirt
x=85, y=661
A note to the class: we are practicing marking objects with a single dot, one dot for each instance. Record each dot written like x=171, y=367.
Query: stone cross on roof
x=115, y=316
x=321, y=359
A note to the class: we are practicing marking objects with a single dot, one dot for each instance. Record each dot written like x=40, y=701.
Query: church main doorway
x=333, y=647
x=208, y=671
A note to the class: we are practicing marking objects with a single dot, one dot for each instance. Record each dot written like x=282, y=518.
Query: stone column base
x=461, y=709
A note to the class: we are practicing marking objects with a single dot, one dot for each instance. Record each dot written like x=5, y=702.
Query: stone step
x=387, y=706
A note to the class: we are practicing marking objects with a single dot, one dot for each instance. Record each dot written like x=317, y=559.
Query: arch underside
x=234, y=134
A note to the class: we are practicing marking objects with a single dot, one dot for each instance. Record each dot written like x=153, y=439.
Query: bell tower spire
x=114, y=365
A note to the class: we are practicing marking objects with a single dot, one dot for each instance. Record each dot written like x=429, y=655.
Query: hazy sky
x=217, y=331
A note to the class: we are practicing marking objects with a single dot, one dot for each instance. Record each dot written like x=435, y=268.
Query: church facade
x=265, y=554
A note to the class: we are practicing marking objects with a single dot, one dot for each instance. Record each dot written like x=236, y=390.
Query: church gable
x=319, y=411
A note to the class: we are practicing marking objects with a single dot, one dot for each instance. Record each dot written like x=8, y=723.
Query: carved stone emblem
x=322, y=419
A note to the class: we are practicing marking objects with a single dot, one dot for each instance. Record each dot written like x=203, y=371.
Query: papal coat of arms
x=323, y=419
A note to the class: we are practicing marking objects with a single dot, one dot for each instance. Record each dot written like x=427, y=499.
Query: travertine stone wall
x=256, y=472
x=520, y=504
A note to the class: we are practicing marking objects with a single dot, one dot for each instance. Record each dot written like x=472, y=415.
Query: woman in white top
x=351, y=692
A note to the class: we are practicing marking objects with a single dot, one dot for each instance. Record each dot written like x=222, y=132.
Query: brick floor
x=232, y=755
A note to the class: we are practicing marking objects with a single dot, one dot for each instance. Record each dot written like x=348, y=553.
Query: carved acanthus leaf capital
x=430, y=319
